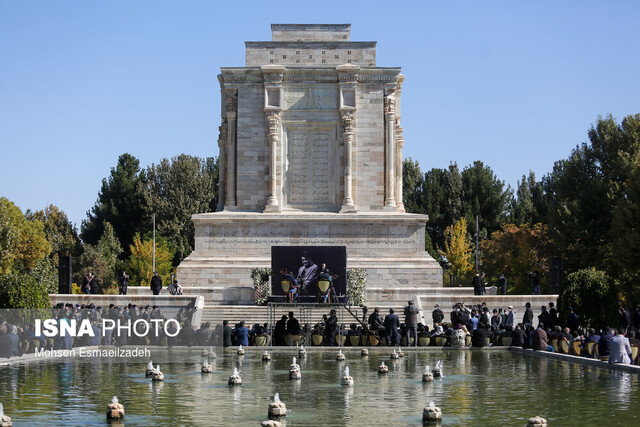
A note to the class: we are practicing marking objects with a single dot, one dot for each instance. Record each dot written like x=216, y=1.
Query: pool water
x=478, y=387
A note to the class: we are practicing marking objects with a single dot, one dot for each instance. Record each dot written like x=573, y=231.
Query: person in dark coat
x=604, y=344
x=331, y=328
x=187, y=334
x=480, y=335
x=411, y=322
x=437, y=315
x=572, y=320
x=527, y=318
x=124, y=282
x=519, y=336
x=553, y=316
x=227, y=332
x=502, y=284
x=539, y=339
x=156, y=283
x=376, y=322
x=280, y=331
x=391, y=324
x=293, y=326
x=625, y=319
x=94, y=285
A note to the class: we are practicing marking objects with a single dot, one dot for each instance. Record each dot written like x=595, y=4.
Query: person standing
x=227, y=332
x=94, y=285
x=124, y=282
x=411, y=322
x=391, y=324
x=242, y=334
x=437, y=315
x=511, y=318
x=331, y=328
x=527, y=318
x=86, y=283
x=156, y=283
x=502, y=283
x=476, y=284
x=572, y=320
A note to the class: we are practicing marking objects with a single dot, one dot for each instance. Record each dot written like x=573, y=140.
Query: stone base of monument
x=364, y=352
x=294, y=374
x=390, y=246
x=270, y=423
x=206, y=368
x=5, y=421
x=266, y=356
x=157, y=376
x=235, y=380
x=383, y=369
x=427, y=377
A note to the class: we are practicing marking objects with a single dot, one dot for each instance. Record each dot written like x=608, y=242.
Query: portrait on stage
x=309, y=273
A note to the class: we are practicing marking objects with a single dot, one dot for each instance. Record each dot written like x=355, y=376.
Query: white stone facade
x=310, y=154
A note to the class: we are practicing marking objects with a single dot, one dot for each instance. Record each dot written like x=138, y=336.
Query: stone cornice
x=305, y=74
x=310, y=45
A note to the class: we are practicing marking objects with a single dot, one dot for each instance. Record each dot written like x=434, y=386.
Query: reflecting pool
x=478, y=387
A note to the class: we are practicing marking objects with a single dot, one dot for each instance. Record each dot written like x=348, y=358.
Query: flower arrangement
x=260, y=277
x=357, y=286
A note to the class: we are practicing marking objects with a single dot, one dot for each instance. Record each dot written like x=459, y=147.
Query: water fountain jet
x=240, y=351
x=346, y=379
x=235, y=379
x=294, y=371
x=427, y=377
x=437, y=372
x=340, y=357
x=150, y=370
x=157, y=374
x=383, y=369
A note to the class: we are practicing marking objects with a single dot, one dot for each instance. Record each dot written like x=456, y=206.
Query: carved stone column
x=231, y=106
x=399, y=147
x=222, y=169
x=348, y=78
x=273, y=75
x=348, y=121
x=273, y=137
x=390, y=140
x=399, y=158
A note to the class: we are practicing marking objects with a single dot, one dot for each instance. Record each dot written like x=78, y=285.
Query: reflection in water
x=479, y=387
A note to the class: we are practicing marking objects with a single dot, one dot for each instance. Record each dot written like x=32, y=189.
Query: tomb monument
x=310, y=148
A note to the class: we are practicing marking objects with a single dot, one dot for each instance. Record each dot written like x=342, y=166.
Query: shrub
x=593, y=296
x=21, y=290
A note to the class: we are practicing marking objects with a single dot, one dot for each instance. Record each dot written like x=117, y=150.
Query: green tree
x=21, y=241
x=624, y=257
x=119, y=203
x=141, y=260
x=61, y=234
x=175, y=190
x=22, y=290
x=484, y=194
x=592, y=295
x=91, y=261
x=412, y=182
x=584, y=190
x=11, y=223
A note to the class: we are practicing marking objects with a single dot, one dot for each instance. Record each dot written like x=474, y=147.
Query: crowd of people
x=18, y=335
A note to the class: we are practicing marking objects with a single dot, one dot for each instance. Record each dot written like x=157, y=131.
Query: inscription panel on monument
x=309, y=172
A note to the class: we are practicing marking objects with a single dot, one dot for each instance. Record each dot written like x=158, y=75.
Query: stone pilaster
x=390, y=149
x=222, y=164
x=273, y=75
x=348, y=78
x=231, y=116
x=399, y=147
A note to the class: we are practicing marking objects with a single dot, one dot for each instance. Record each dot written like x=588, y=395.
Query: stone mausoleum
x=311, y=154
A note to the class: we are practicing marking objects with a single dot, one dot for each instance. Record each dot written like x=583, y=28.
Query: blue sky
x=513, y=84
